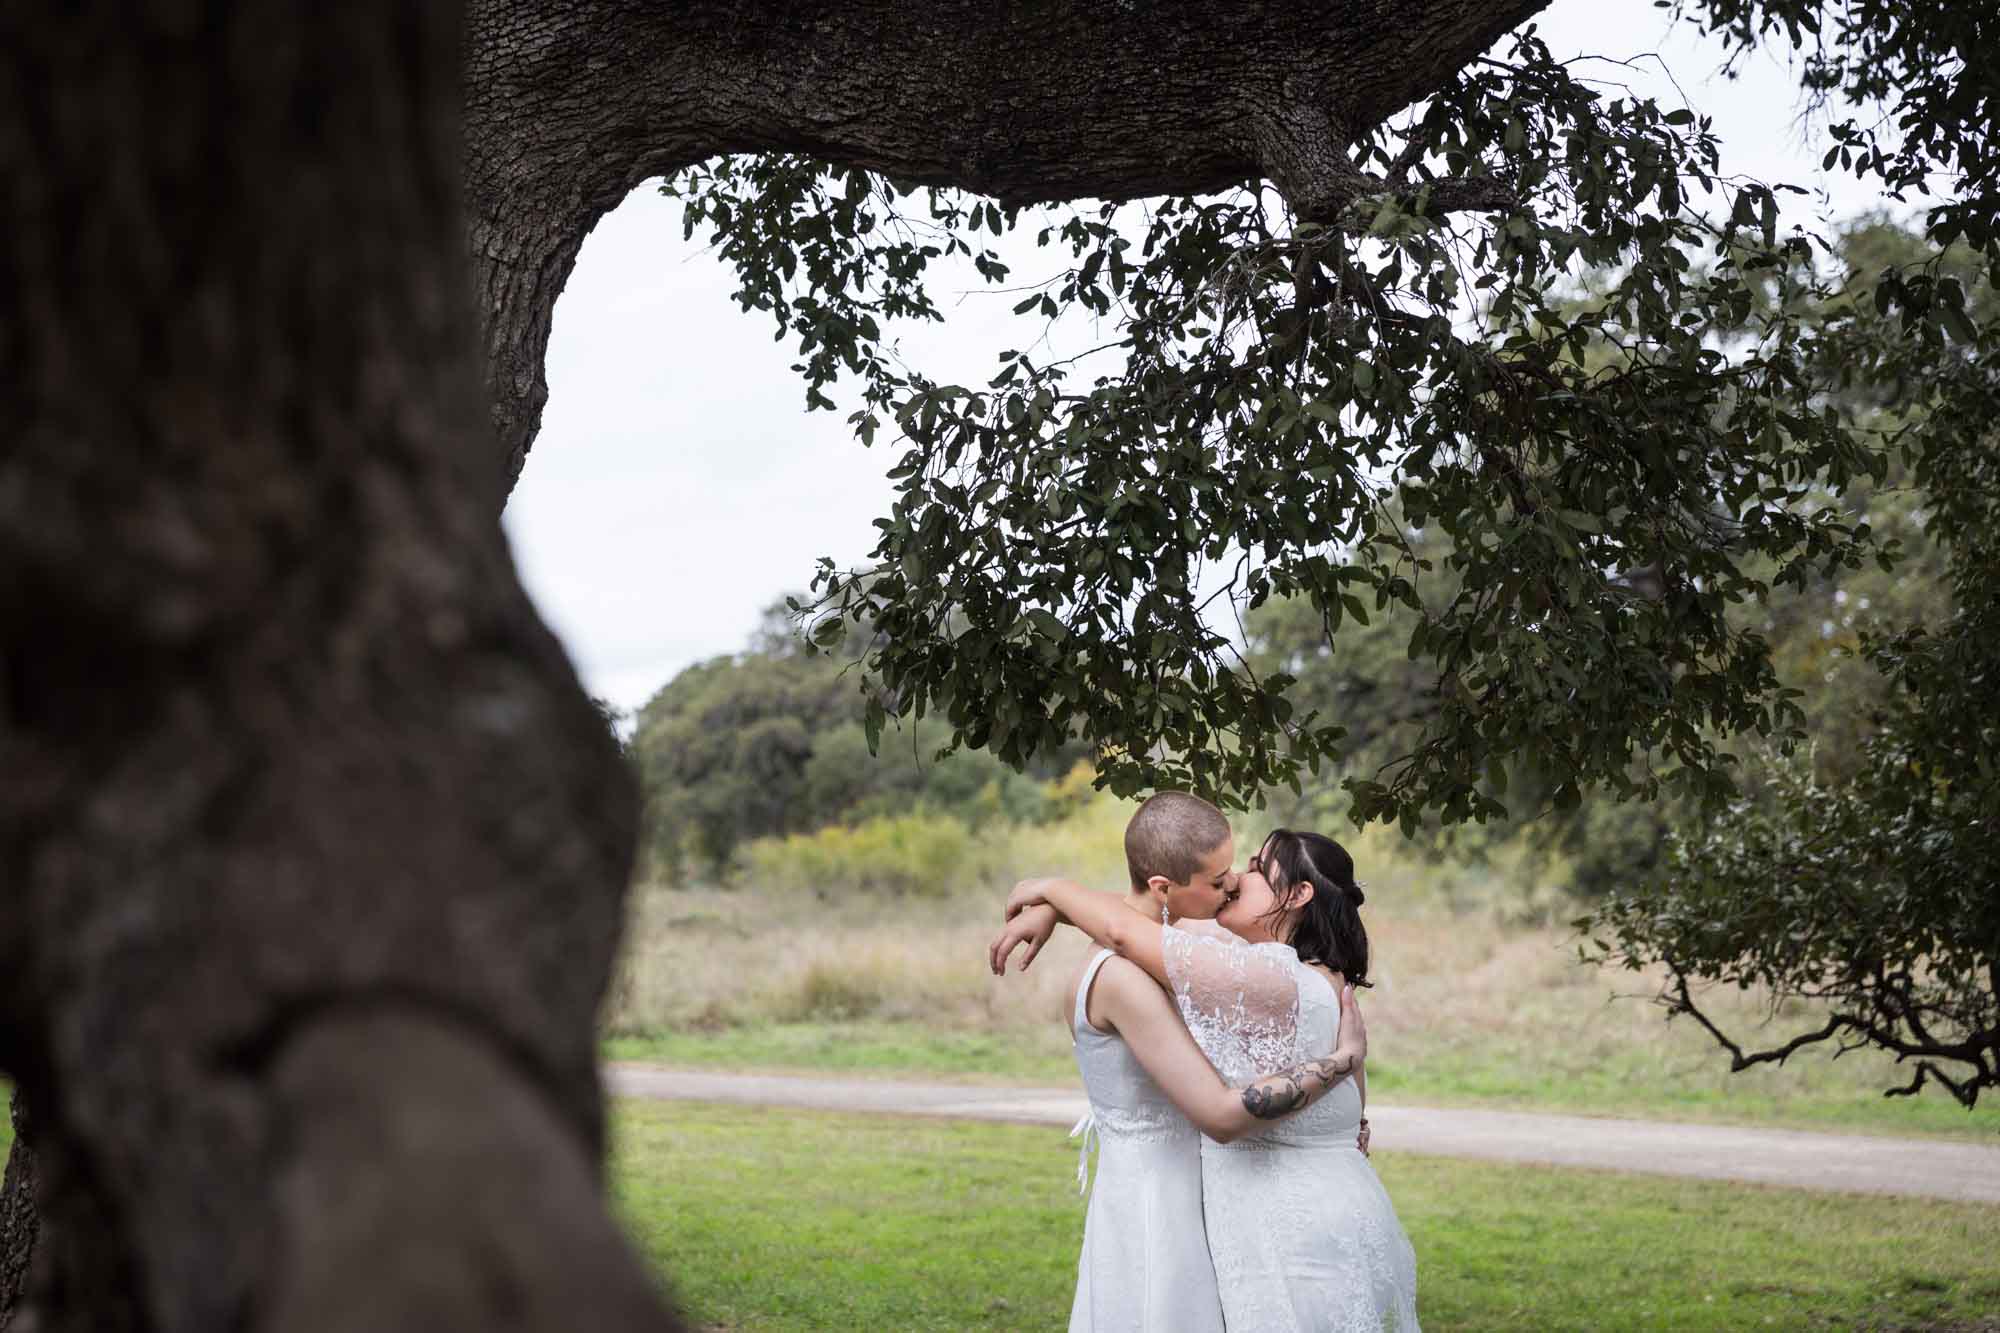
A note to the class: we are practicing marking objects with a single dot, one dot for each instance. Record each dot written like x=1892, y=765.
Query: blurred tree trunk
x=62, y=1257
x=313, y=848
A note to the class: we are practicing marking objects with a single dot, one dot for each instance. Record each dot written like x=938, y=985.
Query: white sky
x=679, y=485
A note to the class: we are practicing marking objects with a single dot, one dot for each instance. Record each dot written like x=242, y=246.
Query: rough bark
x=53, y=1242
x=313, y=848
x=17, y=1214
x=571, y=105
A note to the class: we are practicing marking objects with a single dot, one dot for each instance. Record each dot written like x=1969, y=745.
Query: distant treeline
x=768, y=742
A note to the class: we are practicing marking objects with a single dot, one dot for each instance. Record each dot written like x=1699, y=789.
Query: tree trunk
x=313, y=847
x=17, y=1215
x=570, y=106
x=61, y=1258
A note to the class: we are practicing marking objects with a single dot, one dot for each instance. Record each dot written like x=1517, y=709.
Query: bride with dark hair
x=1302, y=1234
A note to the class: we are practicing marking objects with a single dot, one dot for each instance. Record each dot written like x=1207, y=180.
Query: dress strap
x=1081, y=1018
x=1086, y=1128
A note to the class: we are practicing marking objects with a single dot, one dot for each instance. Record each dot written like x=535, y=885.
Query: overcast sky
x=679, y=485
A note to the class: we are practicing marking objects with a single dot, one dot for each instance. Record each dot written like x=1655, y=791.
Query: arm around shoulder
x=1103, y=916
x=1153, y=1031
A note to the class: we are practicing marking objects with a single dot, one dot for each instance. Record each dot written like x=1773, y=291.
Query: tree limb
x=1679, y=999
x=569, y=107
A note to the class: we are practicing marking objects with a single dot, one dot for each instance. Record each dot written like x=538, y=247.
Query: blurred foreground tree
x=311, y=843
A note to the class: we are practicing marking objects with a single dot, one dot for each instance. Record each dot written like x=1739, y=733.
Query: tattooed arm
x=1125, y=1000
x=1299, y=1086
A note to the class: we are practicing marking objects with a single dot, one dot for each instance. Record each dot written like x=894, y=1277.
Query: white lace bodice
x=1255, y=1010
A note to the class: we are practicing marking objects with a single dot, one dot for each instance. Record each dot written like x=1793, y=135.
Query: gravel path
x=1857, y=1163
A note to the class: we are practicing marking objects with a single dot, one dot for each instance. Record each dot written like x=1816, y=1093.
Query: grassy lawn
x=1634, y=1079
x=783, y=1220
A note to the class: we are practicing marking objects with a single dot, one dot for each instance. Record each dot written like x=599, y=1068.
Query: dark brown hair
x=1329, y=929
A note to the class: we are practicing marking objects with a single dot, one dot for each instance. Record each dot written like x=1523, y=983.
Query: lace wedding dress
x=1302, y=1234
x=1145, y=1265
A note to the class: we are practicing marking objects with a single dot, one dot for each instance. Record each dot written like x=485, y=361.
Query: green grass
x=784, y=1220
x=1503, y=1073
x=1633, y=1084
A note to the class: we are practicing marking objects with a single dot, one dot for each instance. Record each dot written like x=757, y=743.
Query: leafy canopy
x=1064, y=531
x=1868, y=882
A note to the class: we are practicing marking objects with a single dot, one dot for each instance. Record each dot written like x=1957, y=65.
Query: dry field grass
x=1477, y=1000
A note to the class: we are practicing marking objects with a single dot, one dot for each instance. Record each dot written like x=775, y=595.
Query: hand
x=1027, y=893
x=1361, y=1139
x=1353, y=1031
x=1030, y=925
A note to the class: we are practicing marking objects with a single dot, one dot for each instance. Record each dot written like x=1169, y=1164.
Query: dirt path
x=1844, y=1162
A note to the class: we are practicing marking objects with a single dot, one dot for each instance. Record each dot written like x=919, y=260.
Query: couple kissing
x=1224, y=1060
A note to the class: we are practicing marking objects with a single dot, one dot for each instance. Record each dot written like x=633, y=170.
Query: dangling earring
x=1163, y=911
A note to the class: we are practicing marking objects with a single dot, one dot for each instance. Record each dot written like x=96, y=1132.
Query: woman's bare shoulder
x=1130, y=984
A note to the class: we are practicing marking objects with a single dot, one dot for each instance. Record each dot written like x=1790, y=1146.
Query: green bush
x=844, y=782
x=920, y=855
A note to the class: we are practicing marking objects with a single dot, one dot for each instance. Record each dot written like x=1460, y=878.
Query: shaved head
x=1171, y=835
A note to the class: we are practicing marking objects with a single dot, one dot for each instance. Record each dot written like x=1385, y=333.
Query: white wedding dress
x=1302, y=1234
x=1144, y=1266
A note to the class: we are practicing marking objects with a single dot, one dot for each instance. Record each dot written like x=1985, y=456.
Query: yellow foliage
x=939, y=856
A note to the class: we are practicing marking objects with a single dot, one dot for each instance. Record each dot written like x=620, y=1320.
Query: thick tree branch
x=571, y=106
x=1470, y=195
